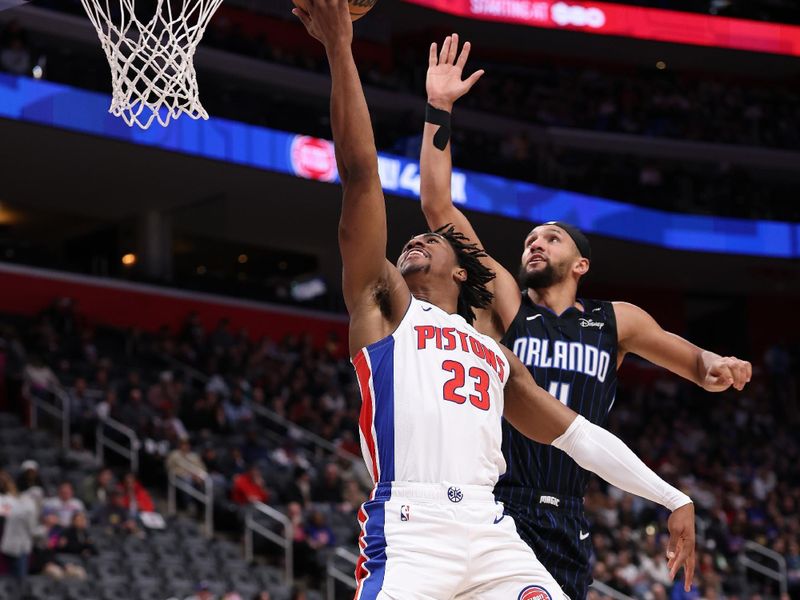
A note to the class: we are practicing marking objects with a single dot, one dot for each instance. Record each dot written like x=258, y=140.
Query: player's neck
x=557, y=298
x=437, y=295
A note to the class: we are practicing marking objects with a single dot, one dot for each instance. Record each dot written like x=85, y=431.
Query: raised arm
x=640, y=334
x=539, y=416
x=375, y=294
x=445, y=86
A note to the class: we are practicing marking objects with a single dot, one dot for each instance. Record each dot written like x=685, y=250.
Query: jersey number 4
x=478, y=378
x=560, y=391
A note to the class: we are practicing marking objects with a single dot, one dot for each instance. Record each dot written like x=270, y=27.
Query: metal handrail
x=285, y=541
x=780, y=574
x=206, y=497
x=62, y=413
x=609, y=591
x=274, y=417
x=334, y=573
x=312, y=437
x=102, y=442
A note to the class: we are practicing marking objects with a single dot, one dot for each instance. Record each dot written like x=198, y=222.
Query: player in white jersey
x=434, y=391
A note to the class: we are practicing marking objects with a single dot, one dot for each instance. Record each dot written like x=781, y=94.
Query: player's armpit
x=530, y=409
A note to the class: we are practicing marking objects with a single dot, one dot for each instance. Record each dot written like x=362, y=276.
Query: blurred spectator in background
x=186, y=464
x=249, y=487
x=299, y=490
x=115, y=516
x=318, y=532
x=21, y=517
x=329, y=487
x=253, y=449
x=39, y=377
x=76, y=538
x=107, y=406
x=64, y=504
x=82, y=410
x=135, y=498
x=29, y=476
x=237, y=410
x=96, y=488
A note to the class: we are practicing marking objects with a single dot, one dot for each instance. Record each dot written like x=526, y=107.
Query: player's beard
x=541, y=279
x=409, y=268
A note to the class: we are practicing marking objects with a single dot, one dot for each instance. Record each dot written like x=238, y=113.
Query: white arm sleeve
x=603, y=453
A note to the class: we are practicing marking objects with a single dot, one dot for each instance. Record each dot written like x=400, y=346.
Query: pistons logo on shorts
x=534, y=592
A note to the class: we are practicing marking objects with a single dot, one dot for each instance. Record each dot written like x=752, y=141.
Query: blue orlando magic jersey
x=574, y=357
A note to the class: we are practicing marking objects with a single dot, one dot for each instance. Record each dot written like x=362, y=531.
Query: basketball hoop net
x=152, y=69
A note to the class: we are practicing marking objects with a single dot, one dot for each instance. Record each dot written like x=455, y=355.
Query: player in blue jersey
x=572, y=346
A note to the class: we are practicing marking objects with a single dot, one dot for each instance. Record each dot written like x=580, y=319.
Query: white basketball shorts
x=445, y=542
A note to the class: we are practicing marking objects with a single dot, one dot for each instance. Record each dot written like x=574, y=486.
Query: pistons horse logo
x=534, y=592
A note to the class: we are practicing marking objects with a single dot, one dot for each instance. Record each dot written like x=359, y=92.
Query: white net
x=151, y=56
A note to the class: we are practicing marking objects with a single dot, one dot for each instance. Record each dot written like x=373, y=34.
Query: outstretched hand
x=445, y=71
x=725, y=372
x=328, y=21
x=680, y=550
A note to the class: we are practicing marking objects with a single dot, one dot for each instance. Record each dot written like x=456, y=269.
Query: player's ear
x=582, y=266
x=460, y=275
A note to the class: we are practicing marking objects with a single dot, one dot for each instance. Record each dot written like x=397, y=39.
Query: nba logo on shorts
x=534, y=592
x=405, y=512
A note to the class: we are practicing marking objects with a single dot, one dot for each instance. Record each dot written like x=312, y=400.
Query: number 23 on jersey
x=475, y=380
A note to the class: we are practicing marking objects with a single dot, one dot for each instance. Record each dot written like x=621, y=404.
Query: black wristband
x=439, y=117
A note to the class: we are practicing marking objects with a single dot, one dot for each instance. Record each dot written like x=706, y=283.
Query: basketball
x=358, y=8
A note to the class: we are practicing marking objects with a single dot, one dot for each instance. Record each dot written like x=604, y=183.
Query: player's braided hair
x=473, y=293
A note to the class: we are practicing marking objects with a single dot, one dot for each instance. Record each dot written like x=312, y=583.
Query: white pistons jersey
x=432, y=401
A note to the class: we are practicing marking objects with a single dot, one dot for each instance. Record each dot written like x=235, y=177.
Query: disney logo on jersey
x=451, y=339
x=567, y=356
x=591, y=324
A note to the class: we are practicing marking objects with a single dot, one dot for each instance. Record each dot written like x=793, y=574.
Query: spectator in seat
x=29, y=476
x=304, y=555
x=76, y=539
x=185, y=463
x=21, y=517
x=299, y=490
x=215, y=468
x=248, y=487
x=187, y=466
x=353, y=495
x=237, y=410
x=116, y=517
x=135, y=498
x=107, y=406
x=65, y=504
x=318, y=532
x=348, y=443
x=329, y=488
x=82, y=410
x=47, y=543
x=39, y=378
x=96, y=489
x=252, y=449
x=135, y=413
